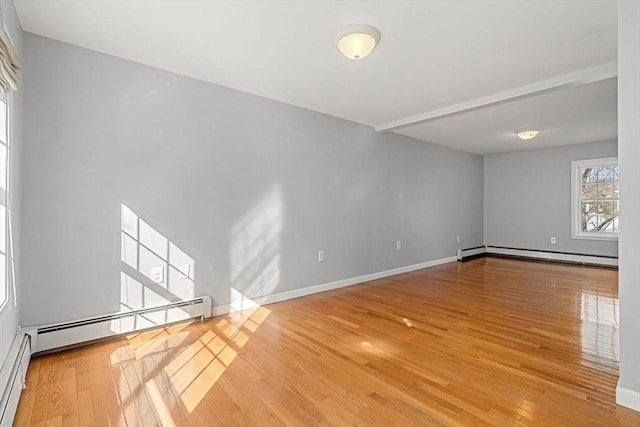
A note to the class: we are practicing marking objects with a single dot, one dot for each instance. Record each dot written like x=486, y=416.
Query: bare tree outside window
x=600, y=199
x=596, y=196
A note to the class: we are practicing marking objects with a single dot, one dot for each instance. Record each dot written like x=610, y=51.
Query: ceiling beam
x=578, y=78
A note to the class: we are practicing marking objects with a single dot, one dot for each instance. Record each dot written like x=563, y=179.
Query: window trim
x=6, y=251
x=576, y=193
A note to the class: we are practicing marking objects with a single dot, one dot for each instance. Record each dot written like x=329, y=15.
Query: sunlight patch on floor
x=159, y=405
x=196, y=369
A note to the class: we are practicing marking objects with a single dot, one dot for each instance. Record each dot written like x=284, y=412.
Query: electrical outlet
x=320, y=256
x=185, y=269
x=553, y=240
x=157, y=274
x=458, y=239
x=398, y=244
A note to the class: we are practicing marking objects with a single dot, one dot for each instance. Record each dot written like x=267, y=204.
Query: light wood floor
x=488, y=342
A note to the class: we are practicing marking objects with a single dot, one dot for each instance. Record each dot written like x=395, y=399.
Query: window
x=4, y=166
x=594, y=202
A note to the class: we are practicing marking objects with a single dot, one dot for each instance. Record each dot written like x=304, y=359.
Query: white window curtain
x=9, y=62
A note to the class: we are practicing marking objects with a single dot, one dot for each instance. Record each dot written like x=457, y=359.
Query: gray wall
x=629, y=129
x=528, y=199
x=9, y=312
x=249, y=188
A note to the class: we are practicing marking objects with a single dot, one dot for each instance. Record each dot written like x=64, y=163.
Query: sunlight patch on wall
x=239, y=302
x=255, y=250
x=155, y=272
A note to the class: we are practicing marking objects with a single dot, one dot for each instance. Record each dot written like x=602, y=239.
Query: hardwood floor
x=488, y=342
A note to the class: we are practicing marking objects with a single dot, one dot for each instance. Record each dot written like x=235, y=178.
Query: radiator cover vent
x=66, y=334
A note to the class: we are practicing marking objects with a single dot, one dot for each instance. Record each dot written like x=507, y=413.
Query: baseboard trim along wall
x=62, y=335
x=269, y=299
x=567, y=257
x=628, y=398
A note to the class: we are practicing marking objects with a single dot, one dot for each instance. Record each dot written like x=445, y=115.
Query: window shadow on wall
x=188, y=362
x=255, y=251
x=155, y=272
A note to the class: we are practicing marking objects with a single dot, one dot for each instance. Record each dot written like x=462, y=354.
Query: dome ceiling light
x=527, y=134
x=359, y=41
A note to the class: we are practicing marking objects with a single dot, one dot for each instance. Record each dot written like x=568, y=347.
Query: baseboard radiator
x=12, y=377
x=471, y=253
x=536, y=254
x=70, y=334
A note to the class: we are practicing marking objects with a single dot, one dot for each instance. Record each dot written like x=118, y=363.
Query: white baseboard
x=628, y=398
x=296, y=293
x=553, y=256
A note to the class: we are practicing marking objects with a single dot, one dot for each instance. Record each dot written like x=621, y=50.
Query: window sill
x=610, y=238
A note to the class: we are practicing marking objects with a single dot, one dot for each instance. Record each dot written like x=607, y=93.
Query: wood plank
x=485, y=342
x=28, y=396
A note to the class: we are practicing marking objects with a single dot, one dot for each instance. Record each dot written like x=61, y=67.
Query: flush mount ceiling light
x=359, y=41
x=528, y=133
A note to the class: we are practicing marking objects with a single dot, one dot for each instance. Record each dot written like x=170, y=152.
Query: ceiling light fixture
x=528, y=133
x=359, y=41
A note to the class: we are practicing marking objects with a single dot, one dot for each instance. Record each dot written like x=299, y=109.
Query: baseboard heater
x=67, y=334
x=472, y=253
x=13, y=374
x=567, y=257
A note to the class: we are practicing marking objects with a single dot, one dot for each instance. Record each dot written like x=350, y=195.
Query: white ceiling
x=464, y=74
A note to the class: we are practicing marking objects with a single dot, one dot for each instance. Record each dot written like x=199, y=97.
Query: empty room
x=300, y=213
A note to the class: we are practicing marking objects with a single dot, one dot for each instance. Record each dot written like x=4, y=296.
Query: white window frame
x=576, y=197
x=4, y=293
